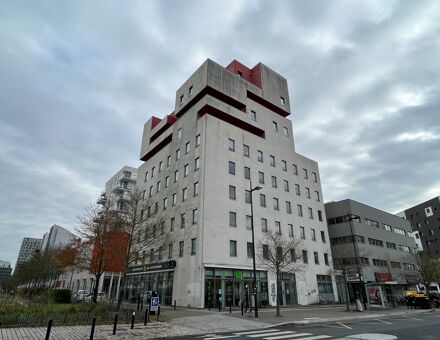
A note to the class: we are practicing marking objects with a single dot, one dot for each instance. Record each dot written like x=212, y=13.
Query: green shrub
x=61, y=295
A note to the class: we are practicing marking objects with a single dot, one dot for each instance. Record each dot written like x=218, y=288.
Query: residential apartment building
x=28, y=248
x=378, y=246
x=5, y=270
x=425, y=222
x=229, y=127
x=118, y=187
x=57, y=237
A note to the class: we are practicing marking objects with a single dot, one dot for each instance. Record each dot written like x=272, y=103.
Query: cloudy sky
x=79, y=79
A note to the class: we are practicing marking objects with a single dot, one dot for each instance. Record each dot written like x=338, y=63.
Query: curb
x=348, y=318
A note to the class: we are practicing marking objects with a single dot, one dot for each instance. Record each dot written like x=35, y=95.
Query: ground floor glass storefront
x=142, y=285
x=226, y=287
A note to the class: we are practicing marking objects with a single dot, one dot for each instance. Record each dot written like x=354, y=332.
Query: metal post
x=115, y=324
x=209, y=305
x=139, y=302
x=132, y=319
x=174, y=304
x=158, y=312
x=242, y=309
x=356, y=256
x=146, y=317
x=255, y=292
x=142, y=305
x=230, y=307
x=49, y=328
x=92, y=332
x=219, y=305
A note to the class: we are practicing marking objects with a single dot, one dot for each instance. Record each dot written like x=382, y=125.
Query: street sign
x=154, y=306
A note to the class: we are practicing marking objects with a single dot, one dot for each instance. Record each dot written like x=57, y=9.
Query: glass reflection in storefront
x=141, y=286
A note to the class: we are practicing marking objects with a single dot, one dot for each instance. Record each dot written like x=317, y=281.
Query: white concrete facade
x=28, y=247
x=190, y=156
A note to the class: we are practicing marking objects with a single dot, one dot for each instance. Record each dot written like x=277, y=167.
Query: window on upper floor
x=264, y=225
x=313, y=234
x=193, y=246
x=187, y=147
x=231, y=168
x=184, y=194
x=306, y=176
x=283, y=101
x=288, y=207
x=286, y=185
x=320, y=215
x=295, y=169
x=323, y=237
x=285, y=132
x=274, y=182
x=179, y=132
x=318, y=198
x=232, y=195
x=262, y=200
x=261, y=177
x=196, y=189
x=272, y=160
x=176, y=176
x=260, y=156
x=190, y=91
x=276, y=205
x=186, y=170
x=197, y=164
x=284, y=165
x=232, y=248
x=247, y=172
x=195, y=216
x=232, y=219
x=300, y=211
x=297, y=189
x=315, y=177
x=168, y=161
x=307, y=192
x=247, y=196
x=253, y=116
x=197, y=140
x=245, y=150
x=231, y=144
x=177, y=154
x=181, y=100
x=278, y=227
x=310, y=213
x=275, y=126
x=305, y=259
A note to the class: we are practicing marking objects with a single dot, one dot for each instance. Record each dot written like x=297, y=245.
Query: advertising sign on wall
x=374, y=295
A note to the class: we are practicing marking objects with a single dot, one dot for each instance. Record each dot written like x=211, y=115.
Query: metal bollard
x=49, y=328
x=132, y=319
x=92, y=331
x=209, y=305
x=142, y=305
x=146, y=317
x=139, y=302
x=219, y=306
x=242, y=313
x=115, y=324
x=230, y=307
x=158, y=312
x=174, y=304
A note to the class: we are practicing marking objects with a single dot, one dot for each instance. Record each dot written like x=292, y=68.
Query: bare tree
x=97, y=227
x=145, y=232
x=279, y=255
x=429, y=269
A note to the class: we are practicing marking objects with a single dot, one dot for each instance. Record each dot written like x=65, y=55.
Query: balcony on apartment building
x=122, y=186
x=128, y=176
x=124, y=196
x=102, y=199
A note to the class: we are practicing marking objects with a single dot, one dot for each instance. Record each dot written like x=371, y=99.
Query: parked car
x=79, y=295
x=89, y=297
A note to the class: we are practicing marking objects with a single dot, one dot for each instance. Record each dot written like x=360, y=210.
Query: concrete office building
x=229, y=126
x=425, y=221
x=384, y=246
x=28, y=248
x=57, y=237
x=5, y=269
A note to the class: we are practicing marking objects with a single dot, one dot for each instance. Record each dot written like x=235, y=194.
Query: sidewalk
x=184, y=321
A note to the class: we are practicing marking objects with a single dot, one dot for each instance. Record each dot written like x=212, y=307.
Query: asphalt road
x=424, y=326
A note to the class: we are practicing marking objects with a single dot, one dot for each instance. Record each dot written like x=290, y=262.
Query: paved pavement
x=184, y=321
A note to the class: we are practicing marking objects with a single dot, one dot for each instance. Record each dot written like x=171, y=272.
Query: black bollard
x=132, y=319
x=174, y=304
x=49, y=328
x=146, y=317
x=158, y=312
x=92, y=331
x=139, y=302
x=115, y=324
x=230, y=307
x=219, y=306
x=242, y=309
x=209, y=305
x=142, y=305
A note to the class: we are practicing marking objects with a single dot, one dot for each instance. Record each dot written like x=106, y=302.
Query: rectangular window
x=297, y=189
x=263, y=200
x=290, y=227
x=310, y=213
x=276, y=205
x=195, y=216
x=315, y=255
x=231, y=168
x=232, y=195
x=247, y=172
x=318, y=199
x=168, y=161
x=187, y=147
x=250, y=249
x=247, y=196
x=233, y=248
x=232, y=219
x=285, y=132
x=278, y=227
x=306, y=176
x=288, y=207
x=300, y=210
x=261, y=177
x=265, y=251
x=320, y=215
x=253, y=116
x=196, y=189
x=295, y=169
x=193, y=246
x=315, y=177
x=248, y=222
x=326, y=259
x=174, y=199
x=272, y=160
x=231, y=144
x=284, y=165
x=158, y=186
x=197, y=140
x=172, y=223
x=313, y=234
x=153, y=170
x=182, y=221
x=245, y=150
x=260, y=156
x=274, y=182
x=190, y=91
x=165, y=203
x=292, y=255
x=160, y=166
x=181, y=245
x=283, y=101
x=302, y=233
x=170, y=251
x=197, y=164
x=307, y=192
x=146, y=176
x=264, y=225
x=177, y=154
x=305, y=259
x=185, y=170
x=275, y=126
x=184, y=194
x=323, y=236
x=179, y=132
x=286, y=186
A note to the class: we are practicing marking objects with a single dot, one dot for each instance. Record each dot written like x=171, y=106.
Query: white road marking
x=345, y=326
x=221, y=337
x=316, y=337
x=388, y=323
x=413, y=318
x=255, y=332
x=281, y=336
x=291, y=336
x=268, y=334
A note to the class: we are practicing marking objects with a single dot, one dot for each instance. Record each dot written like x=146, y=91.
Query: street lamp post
x=251, y=190
x=356, y=256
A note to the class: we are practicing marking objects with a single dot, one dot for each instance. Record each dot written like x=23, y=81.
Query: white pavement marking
x=294, y=335
x=221, y=337
x=268, y=334
x=316, y=337
x=255, y=332
x=345, y=326
x=388, y=323
x=410, y=317
x=369, y=336
x=280, y=337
